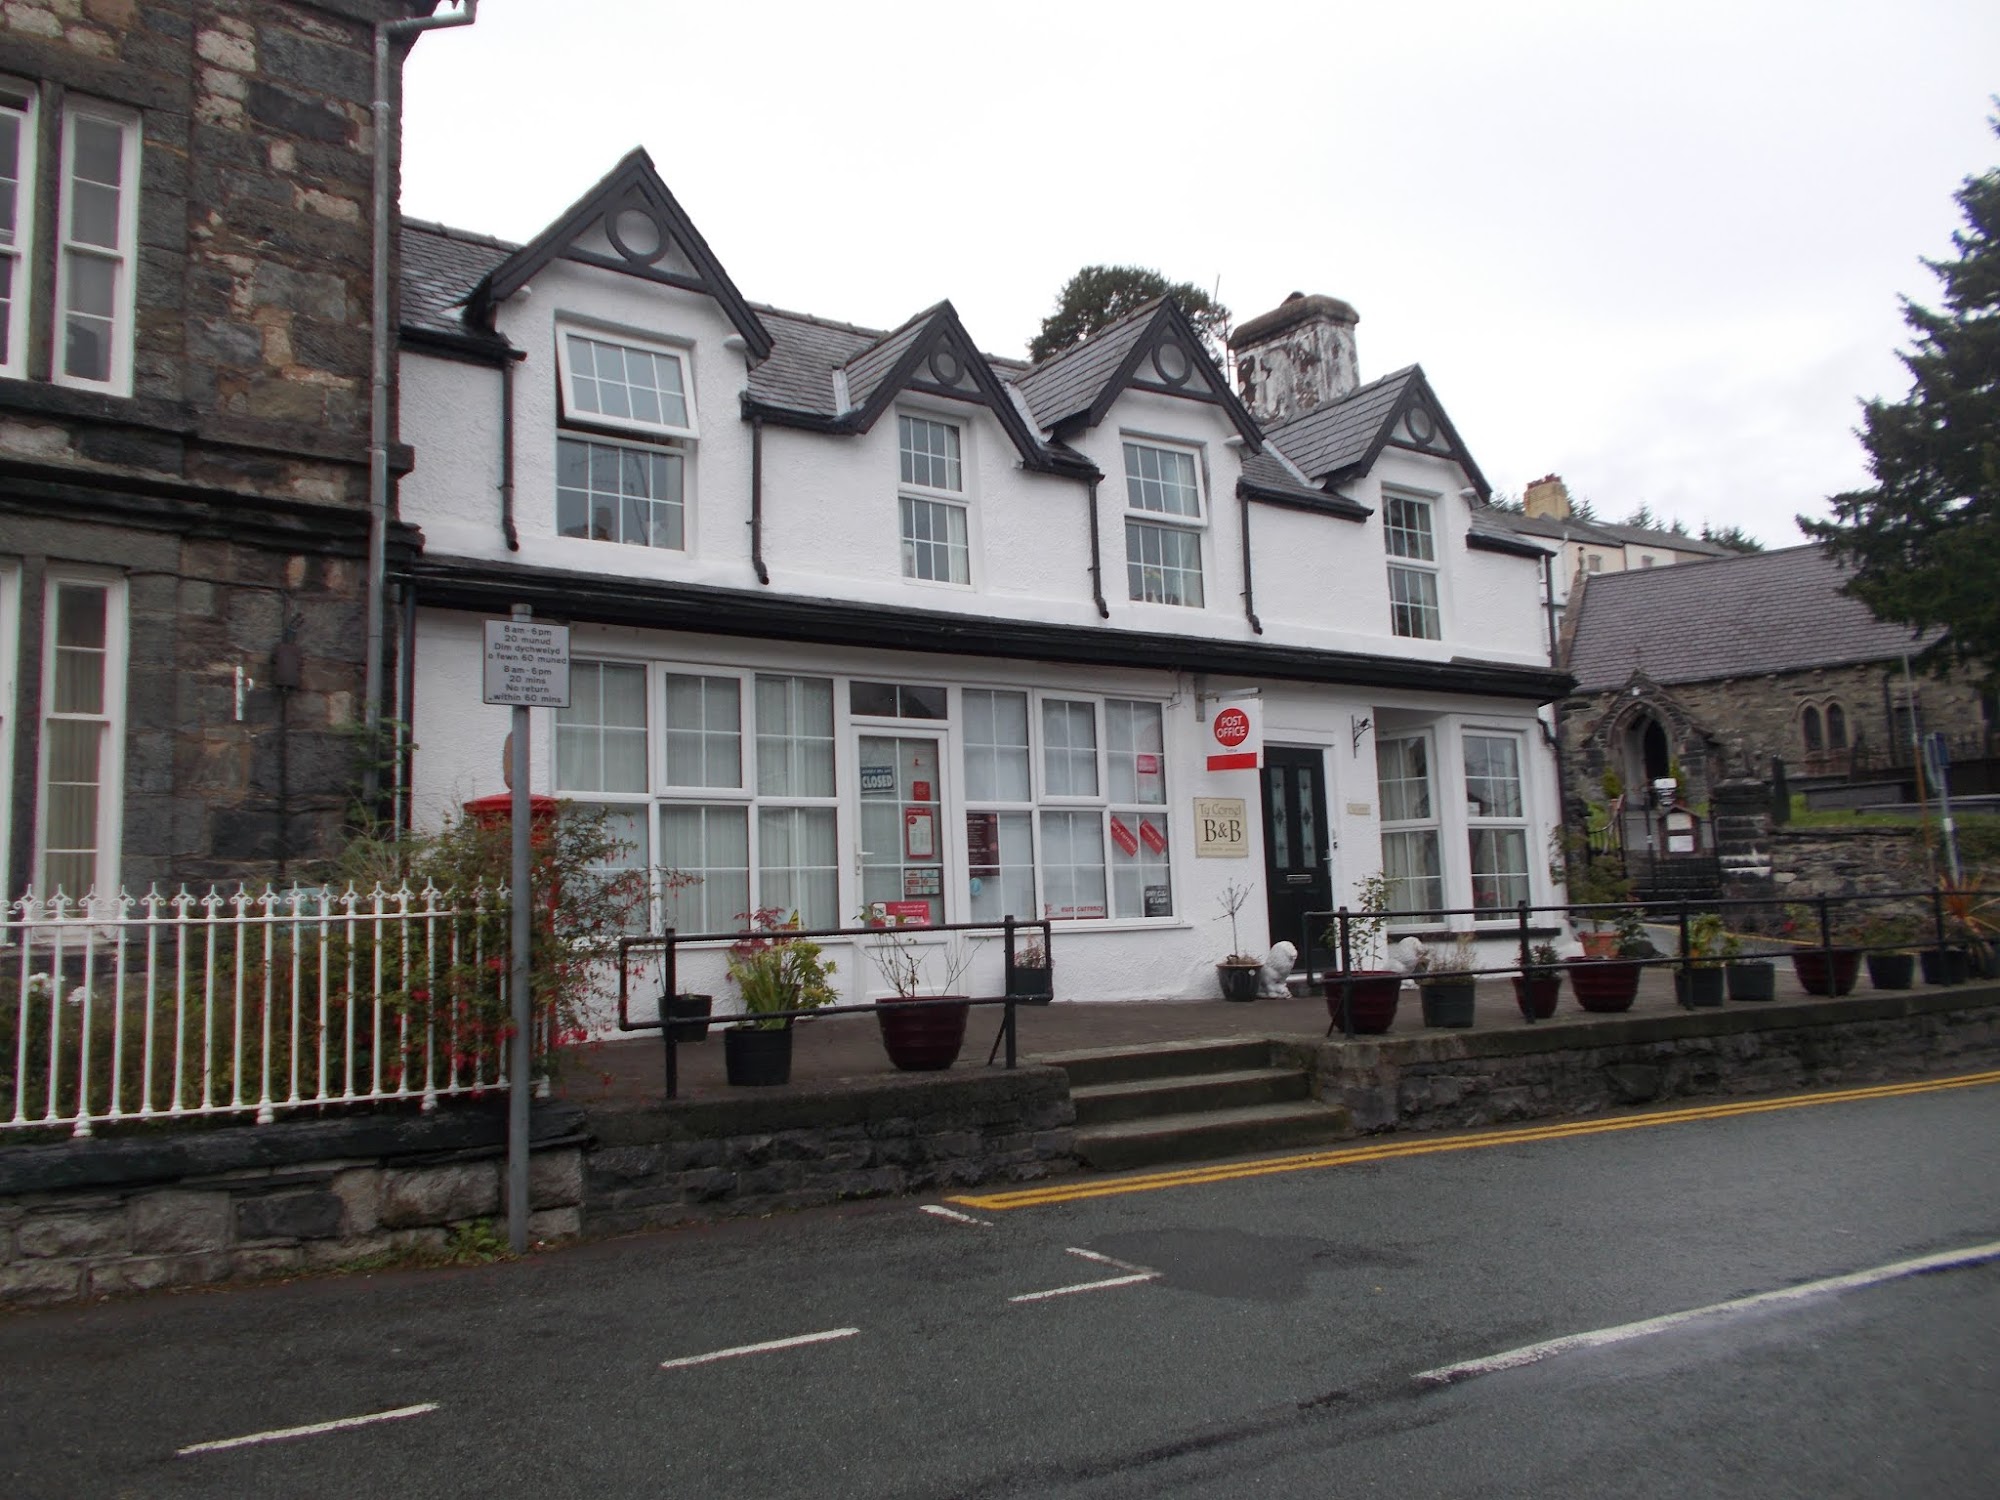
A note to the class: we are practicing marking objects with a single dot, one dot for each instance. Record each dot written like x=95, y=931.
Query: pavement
x=829, y=1051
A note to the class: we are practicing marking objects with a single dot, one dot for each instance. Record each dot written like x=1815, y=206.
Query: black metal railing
x=1828, y=931
x=670, y=942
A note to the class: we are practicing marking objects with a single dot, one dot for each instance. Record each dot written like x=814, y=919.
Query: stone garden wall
x=1462, y=1080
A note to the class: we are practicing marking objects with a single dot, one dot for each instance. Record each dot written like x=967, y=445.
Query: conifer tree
x=1923, y=545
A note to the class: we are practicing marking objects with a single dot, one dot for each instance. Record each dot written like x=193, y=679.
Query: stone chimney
x=1547, y=496
x=1296, y=357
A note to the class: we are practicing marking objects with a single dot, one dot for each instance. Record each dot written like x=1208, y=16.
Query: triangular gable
x=628, y=223
x=1417, y=423
x=1168, y=358
x=932, y=354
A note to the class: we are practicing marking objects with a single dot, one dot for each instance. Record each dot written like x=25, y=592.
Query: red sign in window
x=1124, y=837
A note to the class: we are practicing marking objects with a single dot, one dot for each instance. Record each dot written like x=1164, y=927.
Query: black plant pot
x=1448, y=1002
x=1698, y=986
x=1031, y=982
x=679, y=1008
x=1753, y=979
x=1947, y=965
x=755, y=1058
x=1892, y=971
x=1238, y=981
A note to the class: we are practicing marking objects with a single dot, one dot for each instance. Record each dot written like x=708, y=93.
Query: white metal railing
x=239, y=1002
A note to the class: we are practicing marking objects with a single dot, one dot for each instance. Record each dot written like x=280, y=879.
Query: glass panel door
x=902, y=828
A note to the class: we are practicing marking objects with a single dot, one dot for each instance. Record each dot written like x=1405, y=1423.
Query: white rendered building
x=866, y=616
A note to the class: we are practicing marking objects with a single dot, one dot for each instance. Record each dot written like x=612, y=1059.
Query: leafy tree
x=1735, y=538
x=1098, y=295
x=1923, y=545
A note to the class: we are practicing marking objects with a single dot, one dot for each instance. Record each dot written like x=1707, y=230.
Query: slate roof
x=440, y=268
x=1575, y=529
x=868, y=369
x=1740, y=616
x=1489, y=532
x=1329, y=438
x=1067, y=383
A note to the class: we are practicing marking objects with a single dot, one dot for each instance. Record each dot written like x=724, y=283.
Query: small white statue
x=1407, y=956
x=1278, y=965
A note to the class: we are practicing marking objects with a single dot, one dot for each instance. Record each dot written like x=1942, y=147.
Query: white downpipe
x=387, y=151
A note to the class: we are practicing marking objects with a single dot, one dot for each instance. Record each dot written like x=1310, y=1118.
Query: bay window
x=1497, y=822
x=1410, y=853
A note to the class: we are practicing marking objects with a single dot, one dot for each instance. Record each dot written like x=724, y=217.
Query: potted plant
x=1445, y=983
x=1699, y=981
x=923, y=1028
x=775, y=973
x=1598, y=888
x=1537, y=987
x=1747, y=978
x=1364, y=997
x=1239, y=973
x=1030, y=976
x=1890, y=939
x=1610, y=984
x=1822, y=970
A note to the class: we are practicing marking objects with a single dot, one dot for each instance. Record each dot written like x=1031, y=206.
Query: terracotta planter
x=1537, y=996
x=1599, y=944
x=1892, y=971
x=1238, y=981
x=1824, y=972
x=1375, y=992
x=1604, y=986
x=1698, y=987
x=755, y=1058
x=1752, y=979
x=1448, y=1002
x=923, y=1036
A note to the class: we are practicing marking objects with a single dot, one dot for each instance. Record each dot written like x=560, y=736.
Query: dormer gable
x=1152, y=348
x=1343, y=439
x=933, y=355
x=631, y=224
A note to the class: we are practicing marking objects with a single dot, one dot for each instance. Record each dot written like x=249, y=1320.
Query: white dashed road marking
x=1086, y=1286
x=955, y=1216
x=765, y=1348
x=1598, y=1338
x=280, y=1434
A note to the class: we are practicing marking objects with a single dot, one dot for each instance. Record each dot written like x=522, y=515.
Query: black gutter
x=757, y=499
x=1249, y=588
x=1315, y=502
x=471, y=348
x=1486, y=541
x=1041, y=461
x=491, y=587
x=1096, y=557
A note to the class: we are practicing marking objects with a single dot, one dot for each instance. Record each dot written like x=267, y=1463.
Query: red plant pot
x=1537, y=997
x=922, y=1036
x=1825, y=971
x=1374, y=991
x=1604, y=985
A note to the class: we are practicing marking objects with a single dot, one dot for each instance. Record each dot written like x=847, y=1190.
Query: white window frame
x=1192, y=528
x=1476, y=823
x=111, y=752
x=1099, y=806
x=125, y=255
x=909, y=492
x=10, y=658
x=1411, y=563
x=573, y=416
x=675, y=450
x=19, y=247
x=1431, y=825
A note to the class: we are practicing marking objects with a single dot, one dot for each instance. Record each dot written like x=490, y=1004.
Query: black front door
x=1298, y=873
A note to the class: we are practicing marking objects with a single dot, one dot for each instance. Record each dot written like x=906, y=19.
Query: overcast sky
x=1656, y=250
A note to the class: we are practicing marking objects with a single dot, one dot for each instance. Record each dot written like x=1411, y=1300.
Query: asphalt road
x=1255, y=1336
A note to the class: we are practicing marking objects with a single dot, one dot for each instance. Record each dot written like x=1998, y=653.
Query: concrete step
x=1211, y=1134
x=1147, y=1098
x=1160, y=1060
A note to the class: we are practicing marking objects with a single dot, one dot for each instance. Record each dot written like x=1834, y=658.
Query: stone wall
x=1468, y=1079
x=128, y=1214
x=699, y=1159
x=188, y=1206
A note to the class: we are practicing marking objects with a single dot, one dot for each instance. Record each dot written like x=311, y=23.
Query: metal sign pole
x=518, y=991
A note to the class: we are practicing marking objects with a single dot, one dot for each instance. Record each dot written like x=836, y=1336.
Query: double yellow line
x=1072, y=1192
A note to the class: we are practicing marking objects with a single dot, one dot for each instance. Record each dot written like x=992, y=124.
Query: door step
x=1194, y=1101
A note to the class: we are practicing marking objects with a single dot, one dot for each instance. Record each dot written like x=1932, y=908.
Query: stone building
x=1717, y=669
x=185, y=288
